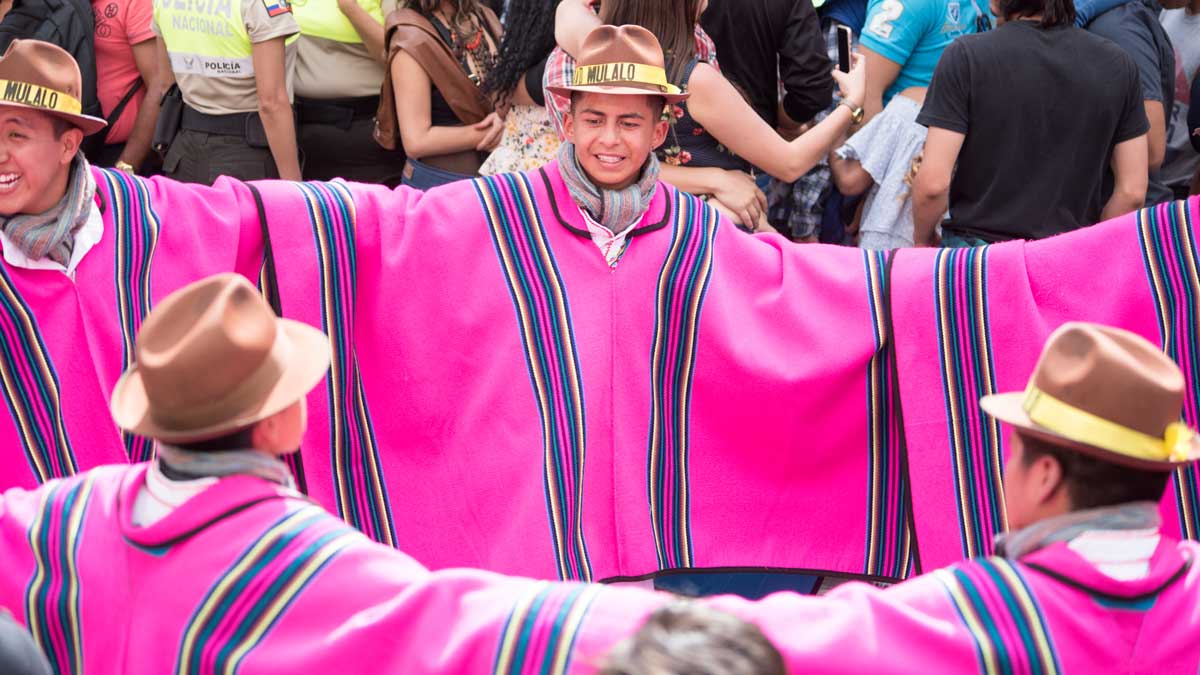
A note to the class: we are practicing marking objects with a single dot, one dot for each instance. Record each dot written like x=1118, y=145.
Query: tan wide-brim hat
x=1107, y=393
x=212, y=358
x=625, y=60
x=37, y=75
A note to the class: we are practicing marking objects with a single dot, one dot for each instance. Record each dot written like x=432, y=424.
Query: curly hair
x=528, y=38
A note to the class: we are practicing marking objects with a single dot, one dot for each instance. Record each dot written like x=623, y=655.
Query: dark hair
x=242, y=439
x=1054, y=12
x=60, y=125
x=656, y=103
x=673, y=22
x=1092, y=483
x=462, y=9
x=690, y=639
x=528, y=38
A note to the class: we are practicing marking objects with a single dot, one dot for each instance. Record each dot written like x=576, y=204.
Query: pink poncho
x=1051, y=612
x=249, y=577
x=970, y=322
x=65, y=342
x=501, y=398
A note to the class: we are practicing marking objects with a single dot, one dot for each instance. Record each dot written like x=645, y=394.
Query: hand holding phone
x=843, y=45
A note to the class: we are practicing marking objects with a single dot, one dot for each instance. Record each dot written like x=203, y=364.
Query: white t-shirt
x=1179, y=164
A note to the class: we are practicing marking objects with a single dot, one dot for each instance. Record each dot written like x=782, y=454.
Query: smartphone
x=843, y=38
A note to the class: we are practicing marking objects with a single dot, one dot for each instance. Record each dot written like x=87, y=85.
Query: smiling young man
x=621, y=318
x=634, y=365
x=612, y=129
x=85, y=251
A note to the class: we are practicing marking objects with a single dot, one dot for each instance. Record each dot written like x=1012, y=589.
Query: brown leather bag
x=409, y=31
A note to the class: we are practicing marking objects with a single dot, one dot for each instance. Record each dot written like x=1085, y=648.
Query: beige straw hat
x=211, y=359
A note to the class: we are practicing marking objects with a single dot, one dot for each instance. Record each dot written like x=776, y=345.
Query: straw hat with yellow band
x=40, y=76
x=621, y=60
x=1107, y=393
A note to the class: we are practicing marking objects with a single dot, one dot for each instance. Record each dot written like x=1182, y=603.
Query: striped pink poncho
x=1050, y=612
x=500, y=397
x=248, y=577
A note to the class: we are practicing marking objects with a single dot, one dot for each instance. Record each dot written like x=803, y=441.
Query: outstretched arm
x=718, y=107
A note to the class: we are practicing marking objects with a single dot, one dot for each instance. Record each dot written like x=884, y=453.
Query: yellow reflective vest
x=323, y=19
x=205, y=37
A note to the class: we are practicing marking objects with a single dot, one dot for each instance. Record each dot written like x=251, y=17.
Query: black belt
x=246, y=125
x=340, y=112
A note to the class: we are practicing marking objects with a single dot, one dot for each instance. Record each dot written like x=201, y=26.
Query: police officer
x=234, y=62
x=339, y=72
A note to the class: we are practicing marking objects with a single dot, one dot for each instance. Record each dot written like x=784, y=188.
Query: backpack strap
x=116, y=113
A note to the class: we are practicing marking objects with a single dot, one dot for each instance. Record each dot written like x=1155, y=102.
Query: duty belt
x=247, y=125
x=339, y=112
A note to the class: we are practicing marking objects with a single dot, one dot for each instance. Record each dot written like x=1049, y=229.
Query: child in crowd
x=689, y=639
x=883, y=157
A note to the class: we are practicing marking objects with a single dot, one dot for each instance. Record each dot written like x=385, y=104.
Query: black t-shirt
x=1041, y=110
x=1194, y=113
x=760, y=42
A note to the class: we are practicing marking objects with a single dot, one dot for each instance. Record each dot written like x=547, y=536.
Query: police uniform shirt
x=328, y=69
x=223, y=85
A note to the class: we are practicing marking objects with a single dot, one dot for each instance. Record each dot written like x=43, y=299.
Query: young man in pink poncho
x=84, y=251
x=1085, y=581
x=207, y=560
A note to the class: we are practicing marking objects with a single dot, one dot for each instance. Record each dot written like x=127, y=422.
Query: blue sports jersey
x=913, y=33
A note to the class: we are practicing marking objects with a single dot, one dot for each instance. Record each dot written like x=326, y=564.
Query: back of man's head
x=1093, y=483
x=690, y=639
x=1050, y=13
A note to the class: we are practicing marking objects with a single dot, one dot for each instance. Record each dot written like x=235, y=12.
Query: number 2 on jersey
x=881, y=23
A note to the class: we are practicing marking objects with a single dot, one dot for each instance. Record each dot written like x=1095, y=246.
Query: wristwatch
x=856, y=111
x=124, y=166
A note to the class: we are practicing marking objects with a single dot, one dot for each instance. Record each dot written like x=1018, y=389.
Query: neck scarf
x=1131, y=516
x=614, y=209
x=226, y=463
x=52, y=234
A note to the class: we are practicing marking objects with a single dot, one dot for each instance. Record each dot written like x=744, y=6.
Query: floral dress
x=529, y=142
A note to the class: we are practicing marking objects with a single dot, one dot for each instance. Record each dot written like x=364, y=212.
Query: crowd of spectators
x=982, y=120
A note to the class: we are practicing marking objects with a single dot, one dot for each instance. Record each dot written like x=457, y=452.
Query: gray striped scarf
x=1128, y=516
x=614, y=209
x=52, y=234
x=226, y=463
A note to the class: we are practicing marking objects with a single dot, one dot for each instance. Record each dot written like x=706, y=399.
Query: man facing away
x=1085, y=581
x=206, y=559
x=1008, y=107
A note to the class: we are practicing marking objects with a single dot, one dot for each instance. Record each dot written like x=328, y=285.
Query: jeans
x=425, y=177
